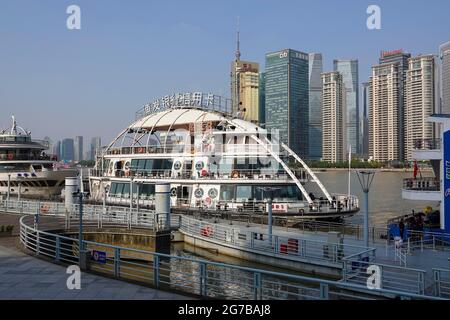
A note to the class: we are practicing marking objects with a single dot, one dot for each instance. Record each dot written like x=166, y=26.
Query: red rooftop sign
x=385, y=54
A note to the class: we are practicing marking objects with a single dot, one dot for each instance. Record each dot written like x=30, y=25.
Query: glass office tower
x=315, y=106
x=349, y=71
x=287, y=98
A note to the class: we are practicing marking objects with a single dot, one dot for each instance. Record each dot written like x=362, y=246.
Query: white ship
x=213, y=161
x=25, y=169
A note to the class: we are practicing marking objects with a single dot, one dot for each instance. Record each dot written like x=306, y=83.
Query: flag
x=416, y=169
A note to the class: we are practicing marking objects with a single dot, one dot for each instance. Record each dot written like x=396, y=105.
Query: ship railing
x=206, y=174
x=427, y=144
x=422, y=184
x=294, y=248
x=361, y=269
x=441, y=281
x=192, y=275
x=181, y=148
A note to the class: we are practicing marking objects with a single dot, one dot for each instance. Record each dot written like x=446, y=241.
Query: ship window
x=119, y=190
x=167, y=164
x=149, y=164
x=141, y=164
x=113, y=190
x=147, y=189
x=259, y=193
x=287, y=193
x=134, y=164
x=243, y=193
x=227, y=192
x=126, y=190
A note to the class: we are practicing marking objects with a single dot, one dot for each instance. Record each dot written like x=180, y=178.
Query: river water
x=385, y=196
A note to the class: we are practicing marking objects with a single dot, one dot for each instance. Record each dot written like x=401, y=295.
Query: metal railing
x=237, y=174
x=194, y=276
x=94, y=215
x=427, y=144
x=427, y=240
x=441, y=279
x=403, y=279
x=422, y=184
x=294, y=248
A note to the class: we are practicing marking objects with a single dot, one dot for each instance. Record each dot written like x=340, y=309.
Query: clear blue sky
x=90, y=82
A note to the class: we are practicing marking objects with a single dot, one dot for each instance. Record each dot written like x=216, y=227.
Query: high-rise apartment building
x=315, y=106
x=79, y=148
x=333, y=117
x=365, y=120
x=349, y=71
x=400, y=58
x=384, y=123
x=421, y=100
x=287, y=101
x=444, y=54
x=57, y=149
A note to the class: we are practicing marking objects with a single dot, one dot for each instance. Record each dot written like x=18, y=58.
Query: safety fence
x=190, y=275
x=360, y=268
x=441, y=283
x=287, y=247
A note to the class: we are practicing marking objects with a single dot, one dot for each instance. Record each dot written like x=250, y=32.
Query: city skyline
x=59, y=71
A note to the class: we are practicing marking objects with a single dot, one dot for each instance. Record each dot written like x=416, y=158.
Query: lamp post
x=269, y=200
x=82, y=254
x=365, y=179
x=9, y=187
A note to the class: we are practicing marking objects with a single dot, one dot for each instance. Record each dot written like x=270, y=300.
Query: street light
x=365, y=179
x=270, y=190
x=82, y=256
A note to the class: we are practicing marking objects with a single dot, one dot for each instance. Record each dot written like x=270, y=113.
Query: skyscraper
x=444, y=53
x=67, y=150
x=333, y=117
x=421, y=100
x=245, y=89
x=96, y=145
x=287, y=101
x=365, y=120
x=384, y=113
x=57, y=149
x=262, y=97
x=400, y=58
x=349, y=71
x=78, y=148
x=245, y=86
x=315, y=106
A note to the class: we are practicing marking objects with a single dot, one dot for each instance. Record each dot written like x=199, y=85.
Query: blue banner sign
x=446, y=186
x=98, y=256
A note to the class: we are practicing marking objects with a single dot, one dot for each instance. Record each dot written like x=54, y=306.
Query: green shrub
x=9, y=228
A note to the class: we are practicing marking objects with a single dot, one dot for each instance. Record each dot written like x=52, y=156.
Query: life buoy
x=45, y=208
x=206, y=231
x=235, y=174
x=140, y=150
x=10, y=156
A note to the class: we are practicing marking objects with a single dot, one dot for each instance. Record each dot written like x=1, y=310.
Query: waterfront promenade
x=26, y=277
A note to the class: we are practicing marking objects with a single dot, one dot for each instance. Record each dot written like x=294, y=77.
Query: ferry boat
x=213, y=160
x=25, y=169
